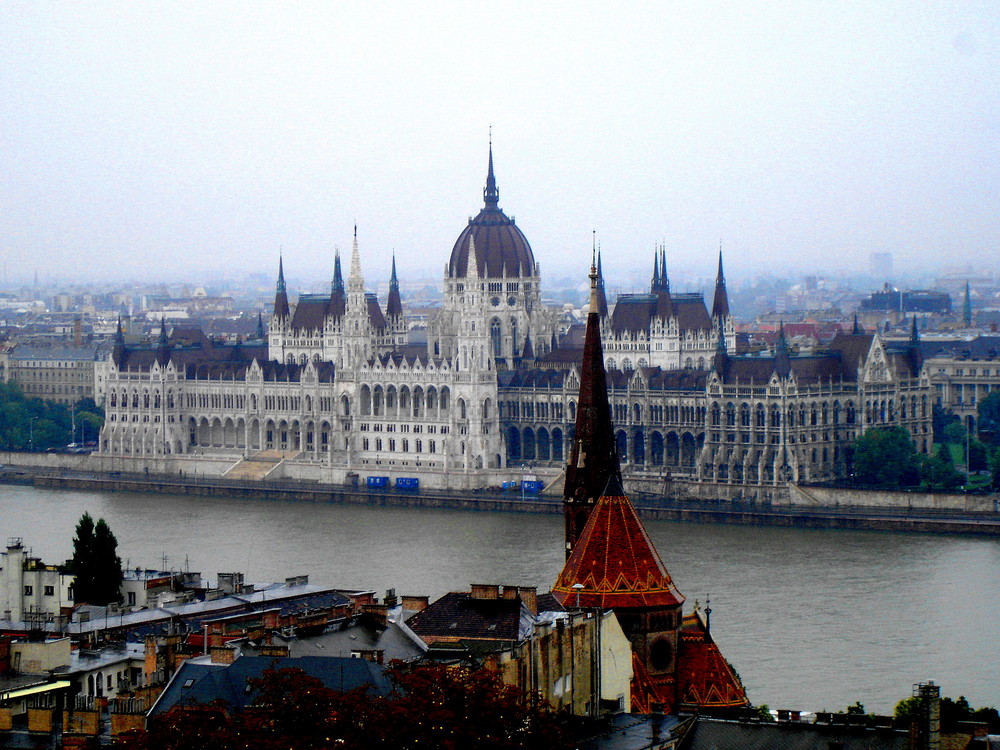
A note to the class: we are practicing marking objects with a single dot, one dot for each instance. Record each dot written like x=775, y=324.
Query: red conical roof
x=615, y=560
x=704, y=677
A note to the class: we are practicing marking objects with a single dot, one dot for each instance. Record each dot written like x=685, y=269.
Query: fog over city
x=169, y=141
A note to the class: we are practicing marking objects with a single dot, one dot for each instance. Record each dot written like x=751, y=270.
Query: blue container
x=511, y=485
x=533, y=486
x=378, y=481
x=407, y=483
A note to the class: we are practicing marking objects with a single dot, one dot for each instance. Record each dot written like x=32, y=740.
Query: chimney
x=378, y=613
x=925, y=731
x=508, y=592
x=223, y=654
x=416, y=603
x=529, y=595
x=484, y=591
x=391, y=600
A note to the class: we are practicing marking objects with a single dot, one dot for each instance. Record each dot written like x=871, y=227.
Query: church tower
x=613, y=564
x=593, y=458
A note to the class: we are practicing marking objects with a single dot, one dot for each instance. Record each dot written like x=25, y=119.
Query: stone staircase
x=258, y=466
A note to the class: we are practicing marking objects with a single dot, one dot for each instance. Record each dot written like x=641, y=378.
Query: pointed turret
x=162, y=344
x=491, y=195
x=720, y=362
x=281, y=309
x=337, y=285
x=967, y=307
x=720, y=303
x=527, y=351
x=782, y=358
x=602, y=298
x=394, y=305
x=664, y=278
x=857, y=329
x=261, y=332
x=593, y=458
x=118, y=350
x=654, y=286
x=914, y=333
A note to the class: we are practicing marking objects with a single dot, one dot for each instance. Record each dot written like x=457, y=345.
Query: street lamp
x=578, y=587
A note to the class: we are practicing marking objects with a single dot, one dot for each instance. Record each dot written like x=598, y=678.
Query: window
x=131, y=598
x=50, y=591
x=29, y=590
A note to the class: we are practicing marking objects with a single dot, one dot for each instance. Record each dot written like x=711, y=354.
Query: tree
x=95, y=563
x=952, y=712
x=431, y=706
x=955, y=432
x=886, y=457
x=989, y=418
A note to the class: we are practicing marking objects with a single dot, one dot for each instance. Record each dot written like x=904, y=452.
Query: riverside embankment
x=883, y=517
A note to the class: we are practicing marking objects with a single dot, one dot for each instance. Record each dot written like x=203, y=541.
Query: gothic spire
x=602, y=297
x=967, y=307
x=281, y=296
x=857, y=326
x=593, y=457
x=782, y=357
x=914, y=333
x=720, y=304
x=261, y=334
x=491, y=195
x=655, y=286
x=394, y=305
x=338, y=277
x=162, y=348
x=118, y=350
x=664, y=279
x=721, y=360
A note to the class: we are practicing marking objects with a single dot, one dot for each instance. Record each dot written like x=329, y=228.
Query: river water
x=811, y=619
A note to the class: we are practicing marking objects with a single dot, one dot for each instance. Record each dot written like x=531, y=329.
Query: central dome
x=500, y=249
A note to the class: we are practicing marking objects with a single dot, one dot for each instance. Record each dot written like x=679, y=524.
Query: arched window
x=495, y=339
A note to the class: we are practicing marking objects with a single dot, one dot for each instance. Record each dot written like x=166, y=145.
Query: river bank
x=736, y=511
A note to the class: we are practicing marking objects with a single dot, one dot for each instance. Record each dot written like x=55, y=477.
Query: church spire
x=720, y=304
x=655, y=286
x=261, y=335
x=857, y=329
x=162, y=347
x=593, y=457
x=914, y=333
x=602, y=298
x=491, y=195
x=967, y=307
x=281, y=296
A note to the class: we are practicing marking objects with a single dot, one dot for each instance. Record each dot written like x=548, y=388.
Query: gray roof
x=712, y=734
x=199, y=682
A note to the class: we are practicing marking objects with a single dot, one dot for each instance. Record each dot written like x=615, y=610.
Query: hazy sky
x=142, y=139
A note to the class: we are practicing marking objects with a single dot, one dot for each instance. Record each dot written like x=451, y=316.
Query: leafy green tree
x=995, y=468
x=938, y=472
x=34, y=424
x=978, y=456
x=952, y=712
x=886, y=457
x=95, y=563
x=955, y=432
x=989, y=418
x=940, y=419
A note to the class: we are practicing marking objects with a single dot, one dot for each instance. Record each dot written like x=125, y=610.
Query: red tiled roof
x=616, y=561
x=704, y=677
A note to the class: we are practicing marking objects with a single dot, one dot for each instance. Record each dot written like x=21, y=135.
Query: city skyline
x=195, y=140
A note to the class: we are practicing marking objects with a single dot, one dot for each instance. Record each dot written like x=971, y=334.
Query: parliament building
x=334, y=391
